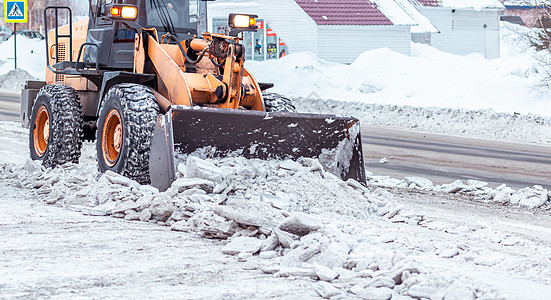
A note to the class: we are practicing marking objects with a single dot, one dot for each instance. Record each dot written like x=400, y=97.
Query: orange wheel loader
x=146, y=81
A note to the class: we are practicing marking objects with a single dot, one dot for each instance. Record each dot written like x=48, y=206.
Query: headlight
x=242, y=21
x=129, y=12
x=124, y=12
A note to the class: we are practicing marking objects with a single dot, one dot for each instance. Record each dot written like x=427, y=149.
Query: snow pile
x=267, y=188
x=31, y=56
x=274, y=221
x=515, y=45
x=514, y=127
x=427, y=78
x=534, y=197
x=14, y=80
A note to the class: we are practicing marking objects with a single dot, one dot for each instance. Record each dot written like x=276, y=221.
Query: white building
x=335, y=30
x=465, y=26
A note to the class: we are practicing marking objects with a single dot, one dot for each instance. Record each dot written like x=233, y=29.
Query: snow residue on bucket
x=337, y=160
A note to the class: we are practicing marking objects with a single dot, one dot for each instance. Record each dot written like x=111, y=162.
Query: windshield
x=183, y=13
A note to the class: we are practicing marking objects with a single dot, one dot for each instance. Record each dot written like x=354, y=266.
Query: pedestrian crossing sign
x=15, y=11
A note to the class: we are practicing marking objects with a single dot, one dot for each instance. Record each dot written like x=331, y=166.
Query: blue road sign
x=15, y=11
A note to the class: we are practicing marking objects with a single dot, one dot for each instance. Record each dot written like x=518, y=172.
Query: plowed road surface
x=444, y=159
x=9, y=107
x=440, y=158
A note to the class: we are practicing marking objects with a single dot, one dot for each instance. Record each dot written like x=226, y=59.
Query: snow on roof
x=366, y=12
x=344, y=12
x=404, y=11
x=526, y=3
x=426, y=2
x=396, y=13
x=476, y=4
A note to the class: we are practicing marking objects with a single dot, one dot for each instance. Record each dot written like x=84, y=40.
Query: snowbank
x=274, y=221
x=429, y=78
x=14, y=80
x=487, y=124
x=535, y=197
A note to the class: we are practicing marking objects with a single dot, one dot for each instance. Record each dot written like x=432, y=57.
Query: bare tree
x=35, y=10
x=536, y=14
x=541, y=39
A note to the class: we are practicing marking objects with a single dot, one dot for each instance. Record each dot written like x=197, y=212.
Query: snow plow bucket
x=334, y=140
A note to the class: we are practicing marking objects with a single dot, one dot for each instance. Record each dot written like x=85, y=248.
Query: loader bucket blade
x=334, y=140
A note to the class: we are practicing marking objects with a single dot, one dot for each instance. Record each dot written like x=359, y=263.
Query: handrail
x=57, y=35
x=80, y=52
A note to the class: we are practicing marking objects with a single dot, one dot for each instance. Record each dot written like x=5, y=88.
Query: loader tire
x=125, y=128
x=276, y=102
x=55, y=134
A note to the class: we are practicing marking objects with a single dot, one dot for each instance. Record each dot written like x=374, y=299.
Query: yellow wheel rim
x=41, y=132
x=112, y=137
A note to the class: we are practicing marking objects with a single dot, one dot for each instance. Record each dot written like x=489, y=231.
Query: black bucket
x=334, y=140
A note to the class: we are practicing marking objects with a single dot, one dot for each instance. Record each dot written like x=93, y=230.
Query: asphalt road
x=440, y=158
x=444, y=159
x=9, y=107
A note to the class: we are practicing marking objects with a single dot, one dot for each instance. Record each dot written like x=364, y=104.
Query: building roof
x=366, y=12
x=426, y=2
x=341, y=12
x=344, y=12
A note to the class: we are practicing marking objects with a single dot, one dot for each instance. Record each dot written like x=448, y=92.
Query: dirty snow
x=282, y=229
x=528, y=197
x=487, y=124
x=337, y=239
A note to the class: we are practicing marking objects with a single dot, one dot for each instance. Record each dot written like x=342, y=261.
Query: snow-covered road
x=511, y=237
x=291, y=230
x=400, y=243
x=50, y=252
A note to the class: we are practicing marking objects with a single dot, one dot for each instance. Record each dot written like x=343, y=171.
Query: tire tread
x=278, y=103
x=66, y=126
x=140, y=110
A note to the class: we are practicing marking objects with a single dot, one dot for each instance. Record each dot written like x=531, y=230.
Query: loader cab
x=115, y=39
x=184, y=15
